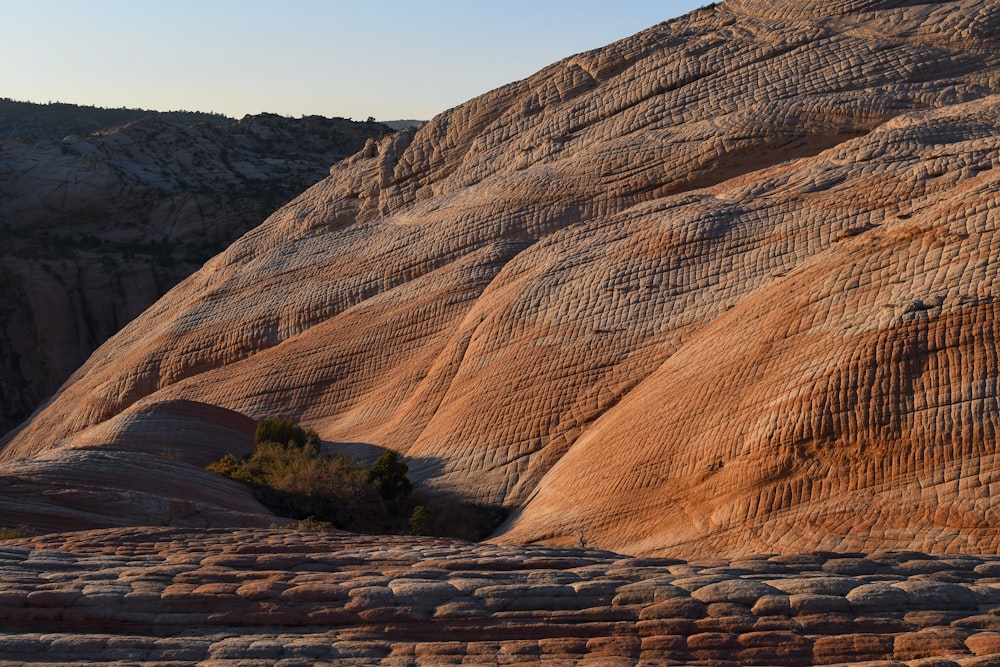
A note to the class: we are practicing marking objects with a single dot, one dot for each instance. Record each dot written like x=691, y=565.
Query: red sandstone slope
x=710, y=287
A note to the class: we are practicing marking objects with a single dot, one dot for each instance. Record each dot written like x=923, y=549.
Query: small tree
x=389, y=472
x=419, y=520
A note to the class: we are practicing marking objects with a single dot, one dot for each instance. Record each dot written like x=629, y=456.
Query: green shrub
x=301, y=483
x=14, y=533
x=283, y=430
x=316, y=526
x=273, y=463
x=330, y=489
x=309, y=524
x=227, y=465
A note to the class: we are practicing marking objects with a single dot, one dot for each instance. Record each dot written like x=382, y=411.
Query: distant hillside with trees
x=104, y=210
x=56, y=120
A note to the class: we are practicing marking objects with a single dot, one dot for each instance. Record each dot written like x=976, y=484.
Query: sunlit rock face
x=725, y=286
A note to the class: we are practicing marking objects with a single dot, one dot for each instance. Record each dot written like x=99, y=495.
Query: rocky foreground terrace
x=274, y=597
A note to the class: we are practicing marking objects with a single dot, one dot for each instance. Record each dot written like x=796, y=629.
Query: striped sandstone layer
x=710, y=289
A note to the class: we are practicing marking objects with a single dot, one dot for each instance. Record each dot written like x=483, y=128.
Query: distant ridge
x=56, y=120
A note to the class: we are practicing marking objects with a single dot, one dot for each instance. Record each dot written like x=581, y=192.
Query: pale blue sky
x=295, y=57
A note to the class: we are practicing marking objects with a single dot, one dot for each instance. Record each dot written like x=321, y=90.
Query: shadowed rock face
x=95, y=228
x=711, y=289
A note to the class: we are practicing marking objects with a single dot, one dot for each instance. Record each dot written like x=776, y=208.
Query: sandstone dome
x=714, y=288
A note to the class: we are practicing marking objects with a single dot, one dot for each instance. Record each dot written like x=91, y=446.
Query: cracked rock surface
x=265, y=597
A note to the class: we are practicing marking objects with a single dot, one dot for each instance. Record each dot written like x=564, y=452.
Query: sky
x=354, y=59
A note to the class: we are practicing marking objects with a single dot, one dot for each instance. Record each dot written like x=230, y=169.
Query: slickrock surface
x=724, y=287
x=174, y=597
x=95, y=228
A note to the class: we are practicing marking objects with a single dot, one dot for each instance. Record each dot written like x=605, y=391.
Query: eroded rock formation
x=709, y=289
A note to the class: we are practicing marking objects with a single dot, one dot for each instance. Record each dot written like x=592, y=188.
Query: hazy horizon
x=391, y=61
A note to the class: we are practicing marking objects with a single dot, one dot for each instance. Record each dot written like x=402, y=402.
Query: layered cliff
x=95, y=228
x=707, y=289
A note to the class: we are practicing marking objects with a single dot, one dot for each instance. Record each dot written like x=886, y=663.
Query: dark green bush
x=389, y=473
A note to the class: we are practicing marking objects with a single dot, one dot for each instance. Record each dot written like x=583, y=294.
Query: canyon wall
x=94, y=228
